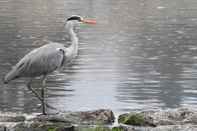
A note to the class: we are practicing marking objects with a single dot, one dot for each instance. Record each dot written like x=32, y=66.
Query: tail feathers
x=4, y=81
x=10, y=76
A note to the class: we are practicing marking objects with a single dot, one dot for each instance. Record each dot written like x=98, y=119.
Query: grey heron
x=47, y=58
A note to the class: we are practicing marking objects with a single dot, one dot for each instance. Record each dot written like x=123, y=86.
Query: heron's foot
x=49, y=114
x=44, y=112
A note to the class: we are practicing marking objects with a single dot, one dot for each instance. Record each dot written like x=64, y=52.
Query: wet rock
x=65, y=121
x=3, y=128
x=100, y=128
x=180, y=119
x=12, y=117
x=122, y=128
x=132, y=119
x=44, y=126
x=163, y=128
x=97, y=128
x=8, y=120
x=101, y=116
x=136, y=119
x=192, y=118
x=160, y=118
x=170, y=117
x=138, y=128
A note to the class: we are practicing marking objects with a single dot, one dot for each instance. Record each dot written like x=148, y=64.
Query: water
x=141, y=55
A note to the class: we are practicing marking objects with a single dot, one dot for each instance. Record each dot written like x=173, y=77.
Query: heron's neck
x=73, y=48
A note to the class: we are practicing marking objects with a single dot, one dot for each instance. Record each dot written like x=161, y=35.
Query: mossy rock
x=132, y=119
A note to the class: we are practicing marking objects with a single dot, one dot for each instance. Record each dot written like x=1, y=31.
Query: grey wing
x=44, y=62
x=37, y=63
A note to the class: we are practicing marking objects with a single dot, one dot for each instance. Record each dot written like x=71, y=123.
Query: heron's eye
x=59, y=49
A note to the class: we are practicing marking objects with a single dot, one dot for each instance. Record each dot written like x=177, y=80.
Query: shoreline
x=179, y=119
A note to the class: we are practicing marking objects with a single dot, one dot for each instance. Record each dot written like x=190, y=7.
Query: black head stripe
x=74, y=18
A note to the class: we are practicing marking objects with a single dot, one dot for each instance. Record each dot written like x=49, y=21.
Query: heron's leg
x=32, y=90
x=37, y=95
x=43, y=95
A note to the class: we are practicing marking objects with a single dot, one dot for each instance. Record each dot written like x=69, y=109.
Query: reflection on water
x=140, y=55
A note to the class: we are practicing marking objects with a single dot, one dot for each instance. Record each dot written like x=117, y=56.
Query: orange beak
x=89, y=21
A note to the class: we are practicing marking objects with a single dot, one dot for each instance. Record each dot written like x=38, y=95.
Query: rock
x=3, y=128
x=101, y=116
x=170, y=117
x=132, y=119
x=136, y=119
x=181, y=119
x=44, y=126
x=11, y=117
x=8, y=120
x=162, y=128
x=191, y=119
x=95, y=117
x=97, y=128
x=65, y=121
x=101, y=128
x=121, y=128
x=160, y=118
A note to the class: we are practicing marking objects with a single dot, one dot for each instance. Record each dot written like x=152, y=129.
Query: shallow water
x=141, y=55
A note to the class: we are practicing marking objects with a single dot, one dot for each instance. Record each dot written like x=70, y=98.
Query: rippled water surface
x=142, y=54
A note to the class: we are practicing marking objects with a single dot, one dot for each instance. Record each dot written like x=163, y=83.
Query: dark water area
x=142, y=54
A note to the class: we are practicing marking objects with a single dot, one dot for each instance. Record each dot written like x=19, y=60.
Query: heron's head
x=76, y=19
